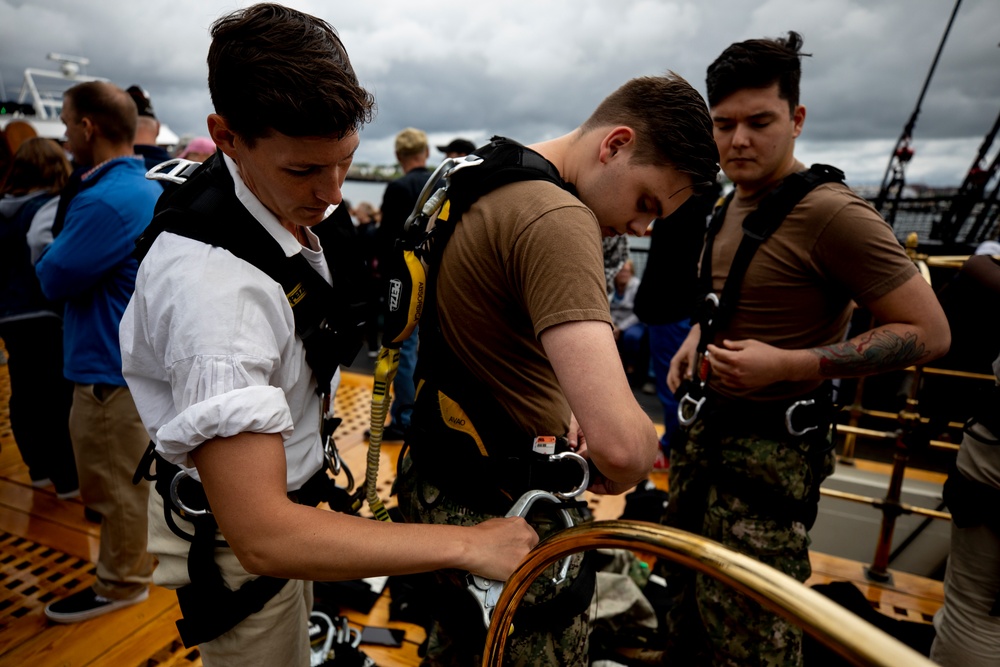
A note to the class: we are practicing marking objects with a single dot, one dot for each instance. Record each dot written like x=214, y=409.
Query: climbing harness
x=471, y=446
x=483, y=433
x=715, y=311
x=329, y=322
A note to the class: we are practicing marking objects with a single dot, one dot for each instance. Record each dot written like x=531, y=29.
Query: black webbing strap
x=504, y=162
x=757, y=227
x=209, y=607
x=329, y=321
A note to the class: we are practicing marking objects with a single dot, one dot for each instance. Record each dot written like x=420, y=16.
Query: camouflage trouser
x=757, y=496
x=458, y=634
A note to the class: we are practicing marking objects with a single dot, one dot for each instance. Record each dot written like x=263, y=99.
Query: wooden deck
x=47, y=551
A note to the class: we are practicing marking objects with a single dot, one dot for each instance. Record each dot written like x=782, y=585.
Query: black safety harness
x=328, y=319
x=807, y=418
x=460, y=436
x=459, y=433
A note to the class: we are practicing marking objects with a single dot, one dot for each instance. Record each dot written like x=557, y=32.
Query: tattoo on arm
x=874, y=352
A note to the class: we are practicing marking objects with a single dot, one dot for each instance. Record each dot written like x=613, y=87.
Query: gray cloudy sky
x=534, y=69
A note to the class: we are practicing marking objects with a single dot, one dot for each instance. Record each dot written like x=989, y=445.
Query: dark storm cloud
x=533, y=70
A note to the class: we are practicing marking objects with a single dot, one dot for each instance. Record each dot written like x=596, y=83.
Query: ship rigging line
x=894, y=178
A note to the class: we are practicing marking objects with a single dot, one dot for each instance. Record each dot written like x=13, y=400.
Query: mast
x=895, y=178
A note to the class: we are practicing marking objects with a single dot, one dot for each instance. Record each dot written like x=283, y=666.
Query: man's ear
x=798, y=119
x=89, y=129
x=223, y=137
x=616, y=140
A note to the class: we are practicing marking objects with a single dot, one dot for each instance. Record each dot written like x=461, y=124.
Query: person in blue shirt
x=90, y=268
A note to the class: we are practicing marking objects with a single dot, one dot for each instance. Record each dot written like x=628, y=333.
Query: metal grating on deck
x=32, y=575
x=353, y=404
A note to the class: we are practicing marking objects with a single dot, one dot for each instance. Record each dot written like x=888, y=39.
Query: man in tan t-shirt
x=742, y=477
x=524, y=317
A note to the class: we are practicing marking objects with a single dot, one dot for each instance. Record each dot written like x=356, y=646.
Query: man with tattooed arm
x=756, y=372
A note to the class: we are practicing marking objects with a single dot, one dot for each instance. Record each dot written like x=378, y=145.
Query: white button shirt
x=209, y=348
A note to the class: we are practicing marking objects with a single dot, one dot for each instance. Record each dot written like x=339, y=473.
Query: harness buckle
x=789, y=413
x=175, y=497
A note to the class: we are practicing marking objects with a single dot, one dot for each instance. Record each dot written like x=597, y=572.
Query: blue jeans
x=664, y=341
x=631, y=344
x=403, y=389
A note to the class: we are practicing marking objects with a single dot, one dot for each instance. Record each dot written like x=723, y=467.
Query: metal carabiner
x=713, y=299
x=176, y=170
x=791, y=411
x=584, y=483
x=695, y=407
x=336, y=463
x=175, y=497
x=487, y=591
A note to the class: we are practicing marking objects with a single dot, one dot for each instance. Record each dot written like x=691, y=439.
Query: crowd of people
x=192, y=346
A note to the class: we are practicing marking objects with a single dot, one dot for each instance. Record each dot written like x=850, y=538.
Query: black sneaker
x=88, y=604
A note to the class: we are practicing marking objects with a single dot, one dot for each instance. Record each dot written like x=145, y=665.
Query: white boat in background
x=39, y=101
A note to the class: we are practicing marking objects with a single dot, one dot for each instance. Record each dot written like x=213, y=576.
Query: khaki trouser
x=276, y=635
x=108, y=441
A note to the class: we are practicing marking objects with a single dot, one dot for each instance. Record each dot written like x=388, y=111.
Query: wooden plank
x=25, y=498
x=910, y=473
x=889, y=601
x=909, y=597
x=80, y=644
x=38, y=528
x=849, y=570
x=406, y=654
x=156, y=642
x=378, y=616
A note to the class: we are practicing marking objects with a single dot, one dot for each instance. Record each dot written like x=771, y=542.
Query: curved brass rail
x=831, y=624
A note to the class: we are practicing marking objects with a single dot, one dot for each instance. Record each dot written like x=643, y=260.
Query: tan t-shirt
x=524, y=258
x=832, y=248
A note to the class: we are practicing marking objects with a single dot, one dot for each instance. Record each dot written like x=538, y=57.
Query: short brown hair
x=39, y=164
x=108, y=107
x=758, y=63
x=671, y=121
x=276, y=69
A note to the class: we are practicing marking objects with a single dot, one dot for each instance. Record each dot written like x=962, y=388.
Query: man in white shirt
x=221, y=376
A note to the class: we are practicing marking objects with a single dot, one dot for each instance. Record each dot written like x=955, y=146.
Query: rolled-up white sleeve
x=246, y=410
x=209, y=349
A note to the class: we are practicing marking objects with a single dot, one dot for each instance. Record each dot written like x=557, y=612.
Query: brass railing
x=833, y=626
x=906, y=437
